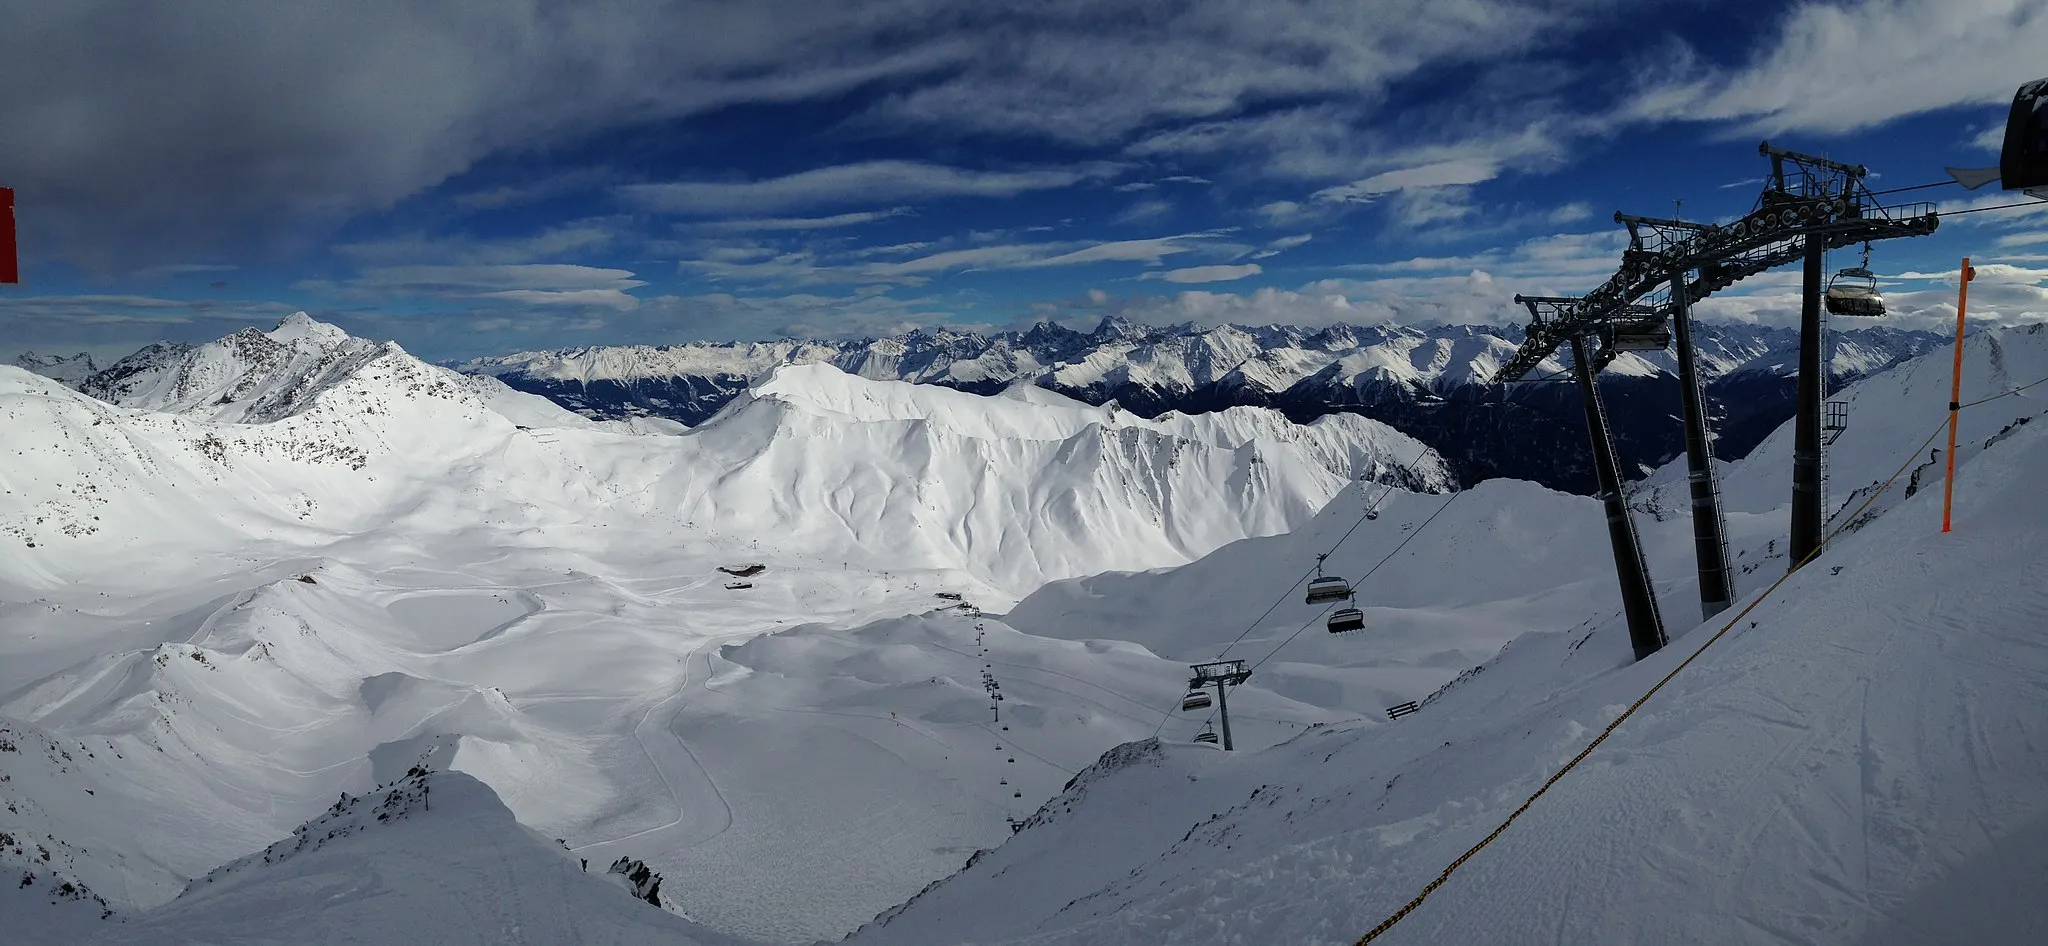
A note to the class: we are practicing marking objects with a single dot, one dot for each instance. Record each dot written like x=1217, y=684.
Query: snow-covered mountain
x=69, y=369
x=761, y=655
x=302, y=557
x=1425, y=381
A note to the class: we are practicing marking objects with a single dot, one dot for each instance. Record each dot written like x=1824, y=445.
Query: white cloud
x=1200, y=274
x=805, y=223
x=1282, y=245
x=1142, y=211
x=528, y=284
x=1843, y=66
x=583, y=236
x=603, y=298
x=542, y=276
x=1464, y=170
x=846, y=183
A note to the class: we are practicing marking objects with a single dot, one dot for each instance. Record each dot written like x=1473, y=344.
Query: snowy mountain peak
x=299, y=325
x=69, y=369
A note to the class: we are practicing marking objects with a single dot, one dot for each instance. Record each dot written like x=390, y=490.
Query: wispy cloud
x=804, y=223
x=847, y=183
x=568, y=239
x=1143, y=211
x=1282, y=245
x=1838, y=67
x=1202, y=274
x=549, y=284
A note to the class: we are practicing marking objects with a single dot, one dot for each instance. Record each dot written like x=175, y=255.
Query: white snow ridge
x=303, y=640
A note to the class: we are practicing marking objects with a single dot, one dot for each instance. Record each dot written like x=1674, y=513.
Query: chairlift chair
x=1207, y=738
x=1640, y=335
x=1346, y=619
x=1853, y=291
x=1329, y=588
x=1195, y=700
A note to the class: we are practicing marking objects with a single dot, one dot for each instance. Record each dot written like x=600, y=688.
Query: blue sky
x=479, y=178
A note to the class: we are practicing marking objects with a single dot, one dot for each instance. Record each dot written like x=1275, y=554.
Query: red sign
x=10, y=270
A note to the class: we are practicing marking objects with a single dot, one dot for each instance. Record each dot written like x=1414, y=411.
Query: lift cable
x=1445, y=875
x=1361, y=579
x=1372, y=506
x=1978, y=210
x=1917, y=187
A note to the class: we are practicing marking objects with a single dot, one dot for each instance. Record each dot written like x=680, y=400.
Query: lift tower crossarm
x=1806, y=197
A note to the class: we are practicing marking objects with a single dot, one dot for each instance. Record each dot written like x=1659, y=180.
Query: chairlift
x=1645, y=333
x=1195, y=700
x=1853, y=291
x=2023, y=162
x=1346, y=619
x=1208, y=738
x=1327, y=587
x=1657, y=340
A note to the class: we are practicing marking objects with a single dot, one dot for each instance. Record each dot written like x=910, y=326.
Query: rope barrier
x=1445, y=875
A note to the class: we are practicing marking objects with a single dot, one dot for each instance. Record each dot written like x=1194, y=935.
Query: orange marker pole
x=1955, y=394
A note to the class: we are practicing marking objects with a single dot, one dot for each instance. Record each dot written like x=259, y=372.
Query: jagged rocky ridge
x=1428, y=382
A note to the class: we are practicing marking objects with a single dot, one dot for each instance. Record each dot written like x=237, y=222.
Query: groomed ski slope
x=1858, y=761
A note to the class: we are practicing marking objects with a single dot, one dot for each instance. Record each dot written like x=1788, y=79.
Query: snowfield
x=762, y=655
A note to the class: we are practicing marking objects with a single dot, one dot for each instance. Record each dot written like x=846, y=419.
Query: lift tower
x=1638, y=598
x=1808, y=205
x=1649, y=239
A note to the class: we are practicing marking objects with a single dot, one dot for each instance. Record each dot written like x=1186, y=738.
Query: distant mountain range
x=70, y=369
x=1428, y=382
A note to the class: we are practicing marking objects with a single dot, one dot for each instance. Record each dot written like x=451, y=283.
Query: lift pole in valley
x=1224, y=674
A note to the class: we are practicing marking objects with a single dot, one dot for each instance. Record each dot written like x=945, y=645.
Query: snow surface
x=285, y=573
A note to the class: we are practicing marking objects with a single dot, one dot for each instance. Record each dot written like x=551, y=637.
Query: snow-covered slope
x=1855, y=762
x=426, y=858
